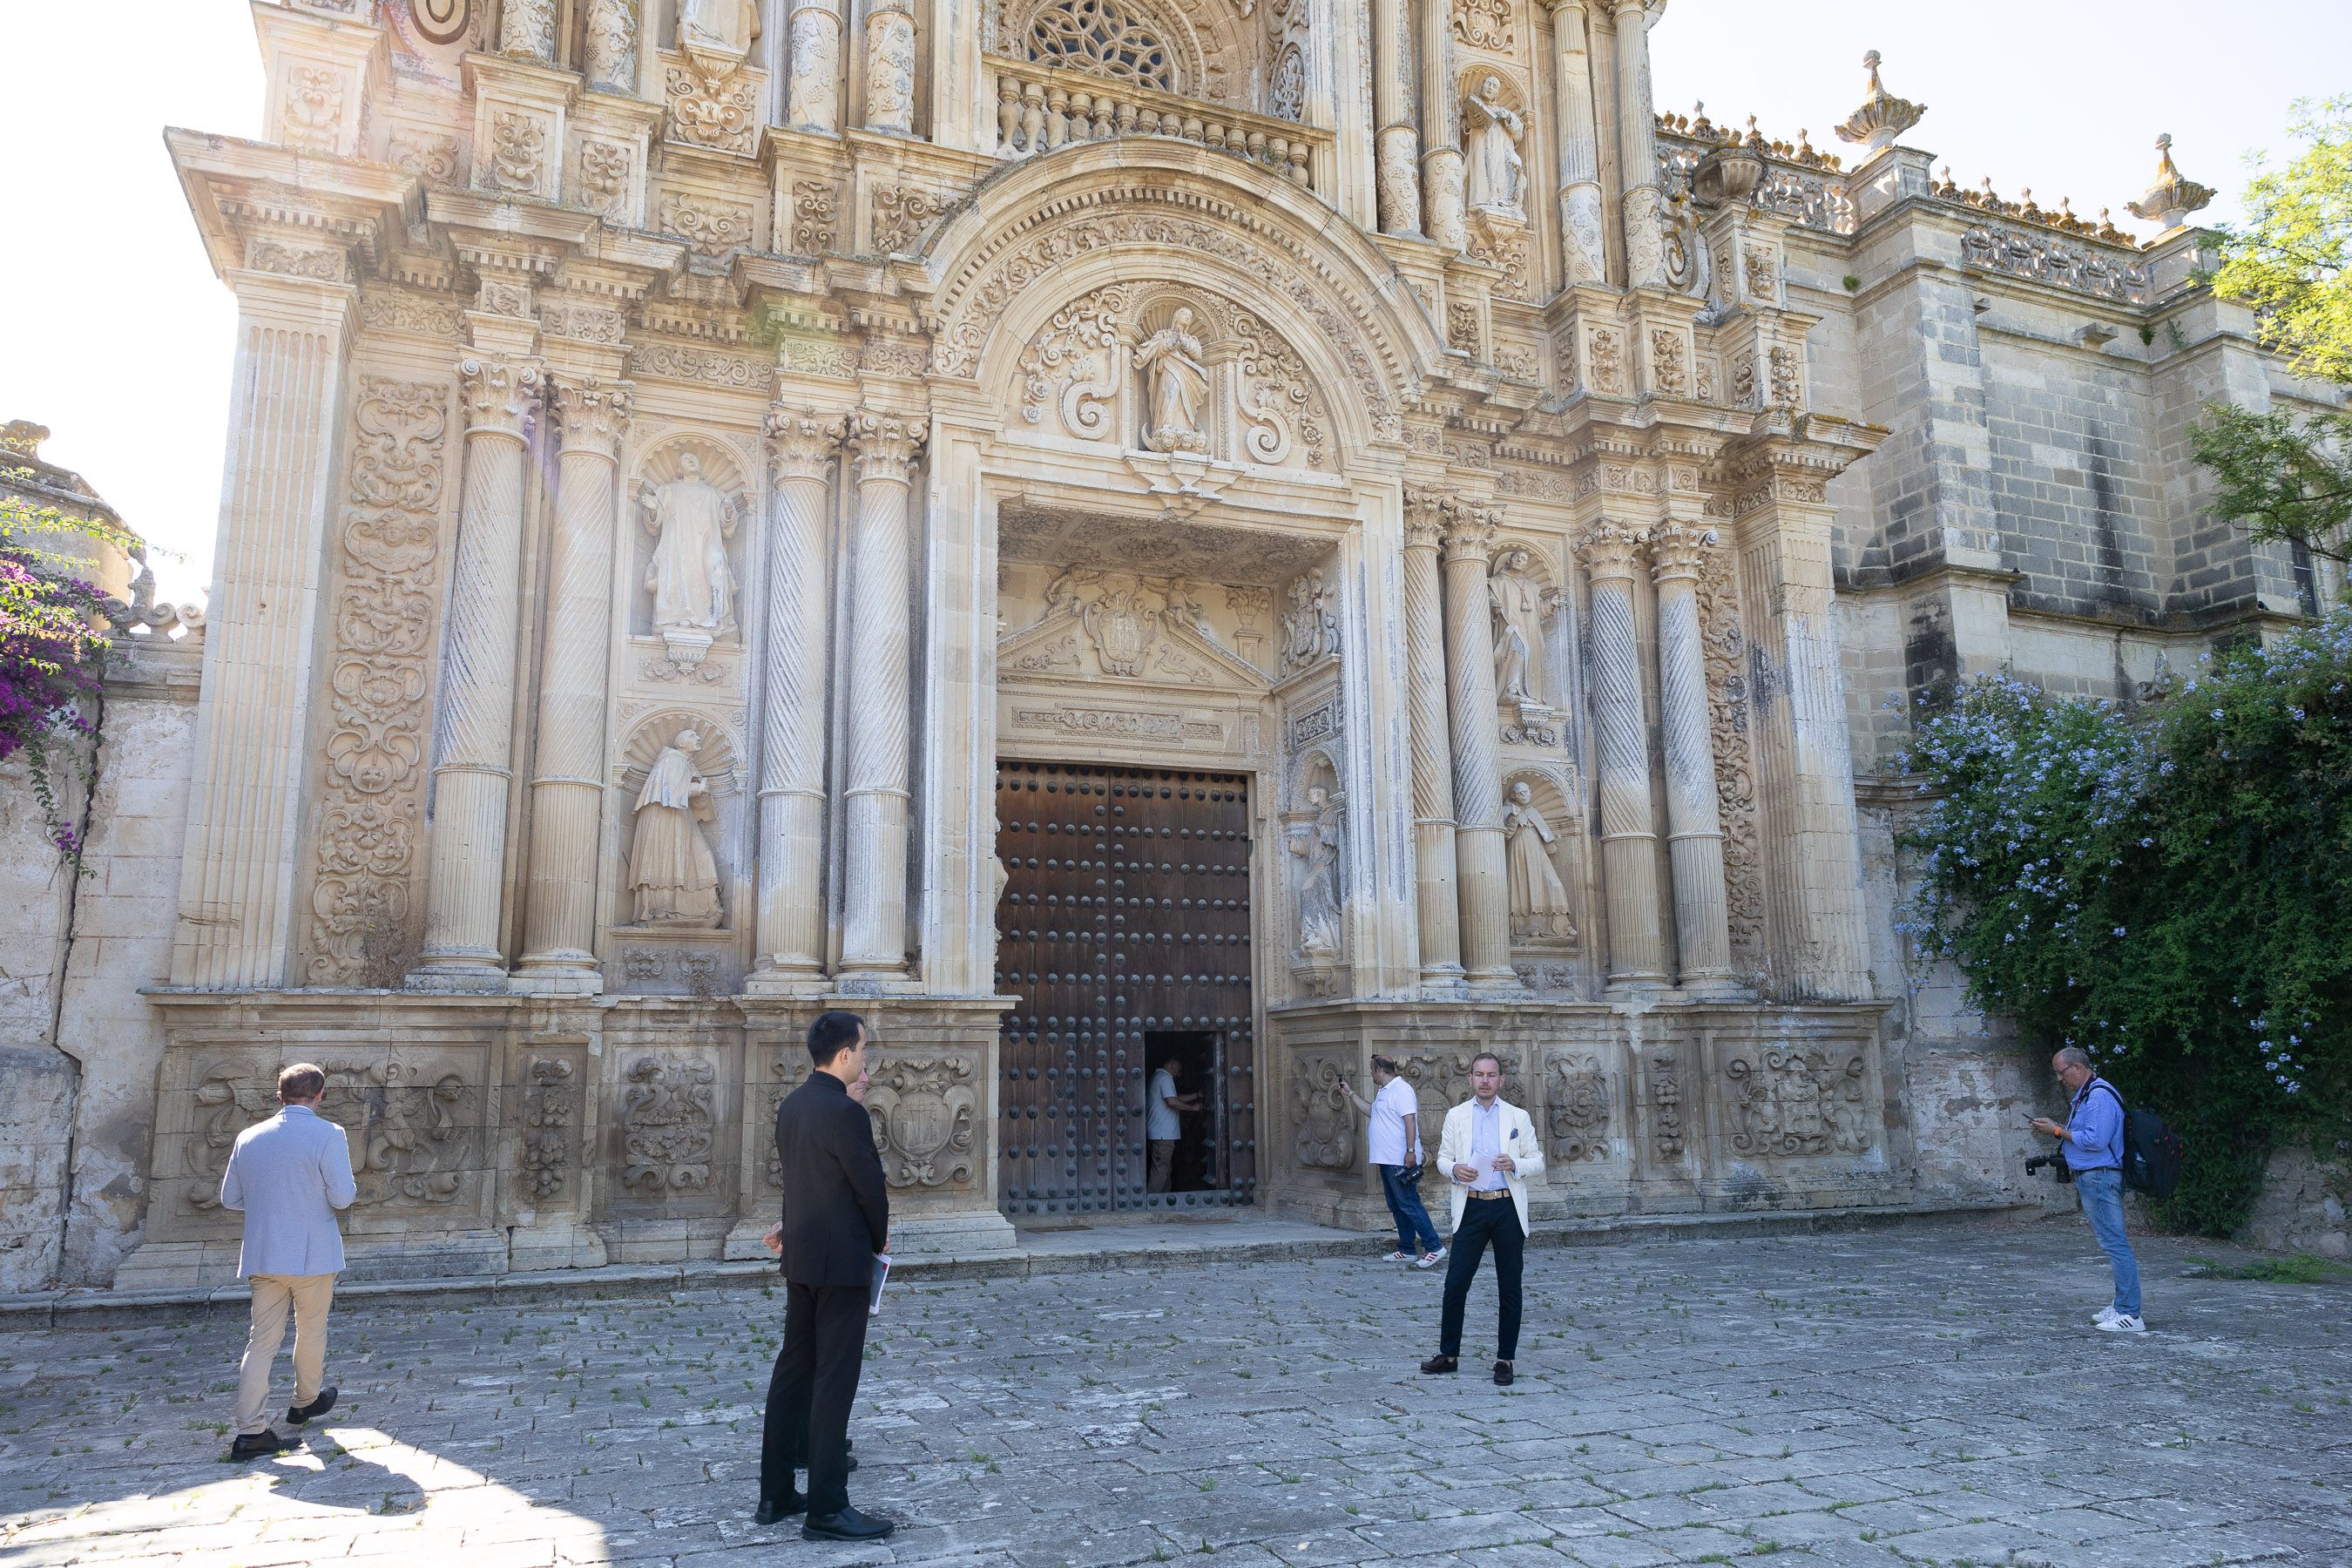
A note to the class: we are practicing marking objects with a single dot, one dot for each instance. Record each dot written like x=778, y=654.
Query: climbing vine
x=50, y=651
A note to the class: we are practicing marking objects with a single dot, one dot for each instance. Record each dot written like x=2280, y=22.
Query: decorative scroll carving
x=313, y=121
x=584, y=323
x=1607, y=369
x=607, y=169
x=1796, y=1101
x=1485, y=24
x=1277, y=397
x=1669, y=363
x=925, y=1112
x=1576, y=1111
x=712, y=228
x=550, y=1107
x=517, y=152
x=1501, y=242
x=900, y=216
x=1787, y=378
x=229, y=1097
x=1462, y=328
x=410, y=1139
x=684, y=361
x=1725, y=650
x=408, y=313
x=324, y=263
x=668, y=1126
x=1067, y=364
x=1286, y=99
x=430, y=155
x=2044, y=257
x=1667, y=1130
x=718, y=111
x=384, y=633
x=1325, y=1123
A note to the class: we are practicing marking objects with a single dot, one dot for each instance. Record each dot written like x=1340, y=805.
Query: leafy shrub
x=49, y=653
x=2168, y=888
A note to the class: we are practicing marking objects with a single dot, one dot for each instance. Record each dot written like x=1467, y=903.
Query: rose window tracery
x=1103, y=40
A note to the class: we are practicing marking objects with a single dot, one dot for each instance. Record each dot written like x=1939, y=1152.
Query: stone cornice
x=243, y=191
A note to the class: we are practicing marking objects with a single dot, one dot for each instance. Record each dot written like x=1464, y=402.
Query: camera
x=2066, y=1173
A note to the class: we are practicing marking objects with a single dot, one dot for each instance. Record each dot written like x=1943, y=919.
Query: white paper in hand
x=881, y=1277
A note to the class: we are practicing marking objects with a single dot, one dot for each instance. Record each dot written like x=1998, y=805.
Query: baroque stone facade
x=1180, y=532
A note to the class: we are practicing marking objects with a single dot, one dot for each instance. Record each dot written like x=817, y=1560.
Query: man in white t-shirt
x=1394, y=1151
x=1160, y=1124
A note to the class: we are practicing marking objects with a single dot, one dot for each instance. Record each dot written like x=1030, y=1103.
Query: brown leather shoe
x=1501, y=1375
x=1438, y=1363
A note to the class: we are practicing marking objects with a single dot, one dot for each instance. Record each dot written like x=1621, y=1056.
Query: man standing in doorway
x=1393, y=1152
x=1489, y=1150
x=1160, y=1124
x=289, y=1175
x=836, y=1219
x=2093, y=1140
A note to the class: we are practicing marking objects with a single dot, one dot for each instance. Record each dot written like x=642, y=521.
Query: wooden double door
x=1125, y=932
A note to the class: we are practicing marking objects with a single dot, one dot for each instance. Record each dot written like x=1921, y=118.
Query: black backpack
x=2152, y=1151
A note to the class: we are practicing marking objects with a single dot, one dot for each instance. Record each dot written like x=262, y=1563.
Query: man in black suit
x=836, y=1219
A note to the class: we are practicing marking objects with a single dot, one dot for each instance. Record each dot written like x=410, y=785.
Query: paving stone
x=1749, y=1394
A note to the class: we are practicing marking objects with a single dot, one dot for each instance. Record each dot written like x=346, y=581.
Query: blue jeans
x=2103, y=1205
x=1401, y=1185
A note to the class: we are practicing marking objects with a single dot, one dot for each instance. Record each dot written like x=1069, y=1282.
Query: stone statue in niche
x=1318, y=843
x=1540, y=909
x=722, y=30
x=1176, y=387
x=1520, y=605
x=692, y=585
x=1309, y=630
x=672, y=875
x=1495, y=175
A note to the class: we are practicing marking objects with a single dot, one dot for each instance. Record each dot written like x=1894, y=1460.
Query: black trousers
x=1485, y=1220
x=810, y=1394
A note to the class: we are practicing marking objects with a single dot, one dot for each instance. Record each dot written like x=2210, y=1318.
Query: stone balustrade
x=1040, y=108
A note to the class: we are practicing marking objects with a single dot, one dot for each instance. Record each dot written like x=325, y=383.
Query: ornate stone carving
x=1883, y=117
x=684, y=361
x=816, y=210
x=584, y=323
x=390, y=543
x=1576, y=1111
x=1541, y=914
x=1286, y=99
x=1791, y=1101
x=1323, y=1120
x=551, y=1106
x=518, y=153
x=1123, y=613
x=1277, y=397
x=1501, y=240
x=1735, y=774
x=668, y=1126
x=2045, y=258
x=1462, y=328
x=527, y=29
x=712, y=228
x=1669, y=363
x=881, y=355
x=901, y=214
x=1788, y=379
x=2172, y=198
x=1067, y=366
x=314, y=115
x=1667, y=1132
x=608, y=169
x=890, y=67
x=1494, y=125
x=1176, y=387
x=673, y=878
x=430, y=155
x=411, y=1139
x=719, y=110
x=925, y=1111
x=1310, y=628
x=323, y=263
x=1320, y=841
x=229, y=1097
x=1519, y=602
x=1485, y=24
x=692, y=583
x=611, y=33
x=814, y=91
x=1607, y=369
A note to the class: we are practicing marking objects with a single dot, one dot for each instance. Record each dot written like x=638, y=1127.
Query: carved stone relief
x=691, y=499
x=1317, y=836
x=1541, y=914
x=1668, y=1132
x=518, y=149
x=925, y=1111
x=550, y=1116
x=1310, y=627
x=1735, y=772
x=412, y=1129
x=900, y=216
x=668, y=1126
x=720, y=110
x=711, y=228
x=1605, y=362
x=1577, y=1106
x=817, y=206
x=1793, y=1101
x=1323, y=1123
x=1485, y=24
x=229, y=1097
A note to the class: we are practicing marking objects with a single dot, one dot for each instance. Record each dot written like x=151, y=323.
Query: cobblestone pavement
x=1914, y=1394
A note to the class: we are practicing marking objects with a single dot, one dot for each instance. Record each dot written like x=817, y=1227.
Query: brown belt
x=1504, y=1194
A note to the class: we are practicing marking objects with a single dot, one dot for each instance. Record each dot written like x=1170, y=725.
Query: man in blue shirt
x=2093, y=1140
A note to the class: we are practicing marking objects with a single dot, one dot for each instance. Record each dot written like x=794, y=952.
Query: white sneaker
x=1400, y=1258
x=1432, y=1260
x=2106, y=1315
x=2123, y=1323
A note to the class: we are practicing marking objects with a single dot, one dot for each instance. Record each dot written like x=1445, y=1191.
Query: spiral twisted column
x=1629, y=834
x=1694, y=826
x=1434, y=825
x=1637, y=148
x=1479, y=872
x=567, y=792
x=883, y=448
x=474, y=720
x=801, y=447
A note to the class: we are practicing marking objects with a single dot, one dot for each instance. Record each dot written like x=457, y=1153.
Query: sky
x=114, y=332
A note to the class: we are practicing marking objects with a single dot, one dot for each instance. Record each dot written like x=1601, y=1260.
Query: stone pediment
x=1123, y=635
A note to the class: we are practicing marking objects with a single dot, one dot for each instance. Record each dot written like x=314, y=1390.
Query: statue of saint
x=1319, y=892
x=1176, y=387
x=1540, y=909
x=693, y=587
x=1495, y=175
x=721, y=28
x=671, y=873
x=1519, y=604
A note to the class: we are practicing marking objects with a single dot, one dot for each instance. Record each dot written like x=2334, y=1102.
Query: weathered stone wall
x=36, y=895
x=2303, y=1203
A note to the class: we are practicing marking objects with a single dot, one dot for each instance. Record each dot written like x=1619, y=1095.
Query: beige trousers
x=309, y=1295
x=1163, y=1166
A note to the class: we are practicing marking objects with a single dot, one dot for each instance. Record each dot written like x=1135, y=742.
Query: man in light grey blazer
x=288, y=1175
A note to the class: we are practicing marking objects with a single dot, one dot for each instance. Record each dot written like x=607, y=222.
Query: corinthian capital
x=1679, y=550
x=1610, y=548
x=502, y=397
x=802, y=443
x=884, y=446
x=1425, y=516
x=1470, y=531
x=594, y=414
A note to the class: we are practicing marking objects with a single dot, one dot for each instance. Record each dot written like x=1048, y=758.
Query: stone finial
x=1883, y=117
x=23, y=437
x=2171, y=198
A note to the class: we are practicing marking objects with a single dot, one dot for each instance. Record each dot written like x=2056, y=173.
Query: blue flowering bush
x=2168, y=886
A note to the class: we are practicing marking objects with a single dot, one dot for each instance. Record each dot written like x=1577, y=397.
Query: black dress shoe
x=773, y=1510
x=847, y=1525
x=298, y=1414
x=1501, y=1375
x=1438, y=1363
x=261, y=1445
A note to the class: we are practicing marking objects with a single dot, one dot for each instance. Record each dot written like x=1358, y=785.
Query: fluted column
x=1441, y=158
x=890, y=67
x=278, y=499
x=1397, y=143
x=1629, y=834
x=1438, y=899
x=1637, y=148
x=883, y=448
x=527, y=29
x=567, y=786
x=474, y=720
x=802, y=445
x=1581, y=204
x=1694, y=825
x=813, y=96
x=1479, y=872
x=612, y=27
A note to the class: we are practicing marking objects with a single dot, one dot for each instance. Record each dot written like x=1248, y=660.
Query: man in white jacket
x=289, y=1175
x=1489, y=1150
